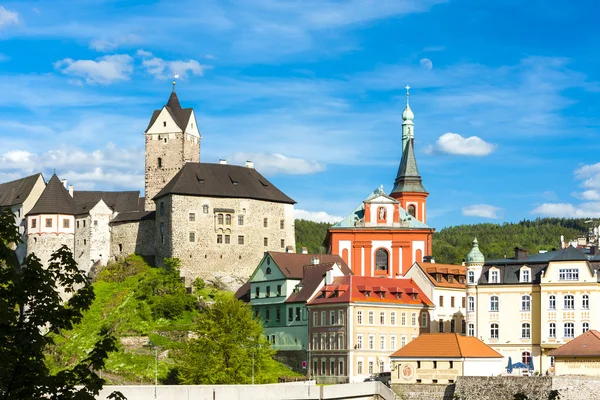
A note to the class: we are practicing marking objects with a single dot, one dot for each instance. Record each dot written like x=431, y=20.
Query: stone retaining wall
x=418, y=391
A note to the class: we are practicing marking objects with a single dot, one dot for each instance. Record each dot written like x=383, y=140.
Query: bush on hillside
x=122, y=269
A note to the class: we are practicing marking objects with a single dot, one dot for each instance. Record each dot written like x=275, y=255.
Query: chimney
x=223, y=161
x=249, y=164
x=593, y=250
x=289, y=249
x=71, y=188
x=520, y=254
x=315, y=260
x=329, y=277
x=562, y=241
x=304, y=250
x=64, y=182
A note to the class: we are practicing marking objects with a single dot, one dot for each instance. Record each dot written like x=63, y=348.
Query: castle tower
x=474, y=264
x=408, y=187
x=51, y=221
x=172, y=139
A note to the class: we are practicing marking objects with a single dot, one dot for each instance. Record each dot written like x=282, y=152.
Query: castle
x=218, y=219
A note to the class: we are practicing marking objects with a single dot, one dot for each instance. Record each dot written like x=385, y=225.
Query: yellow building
x=441, y=357
x=525, y=306
x=581, y=356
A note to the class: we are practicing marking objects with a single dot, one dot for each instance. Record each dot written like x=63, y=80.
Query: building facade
x=385, y=234
x=356, y=322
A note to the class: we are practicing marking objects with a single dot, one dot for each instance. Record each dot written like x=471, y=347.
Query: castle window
x=282, y=243
x=162, y=232
x=282, y=224
x=77, y=225
x=160, y=162
x=84, y=242
x=192, y=126
x=266, y=241
x=162, y=210
x=95, y=222
x=48, y=222
x=240, y=239
x=34, y=223
x=266, y=222
x=66, y=223
x=192, y=236
x=165, y=140
x=120, y=247
x=240, y=220
x=192, y=217
x=381, y=260
x=205, y=209
x=412, y=210
x=165, y=124
x=219, y=238
x=84, y=223
x=228, y=219
x=220, y=219
x=227, y=239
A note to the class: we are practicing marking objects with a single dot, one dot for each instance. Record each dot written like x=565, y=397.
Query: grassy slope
x=116, y=306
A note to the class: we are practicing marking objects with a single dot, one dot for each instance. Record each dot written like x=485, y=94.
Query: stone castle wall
x=133, y=237
x=43, y=245
x=204, y=256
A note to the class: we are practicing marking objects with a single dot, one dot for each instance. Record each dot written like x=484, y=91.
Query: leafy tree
x=311, y=235
x=228, y=341
x=31, y=310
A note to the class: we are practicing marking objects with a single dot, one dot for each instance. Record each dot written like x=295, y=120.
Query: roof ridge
x=458, y=344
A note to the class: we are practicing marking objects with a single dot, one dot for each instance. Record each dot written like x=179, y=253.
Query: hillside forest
x=451, y=245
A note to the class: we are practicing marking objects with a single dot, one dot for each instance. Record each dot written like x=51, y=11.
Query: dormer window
x=415, y=296
x=367, y=294
x=494, y=276
x=450, y=279
x=438, y=277
x=461, y=279
x=525, y=275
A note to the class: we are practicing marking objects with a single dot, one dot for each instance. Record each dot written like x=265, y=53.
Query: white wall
x=483, y=366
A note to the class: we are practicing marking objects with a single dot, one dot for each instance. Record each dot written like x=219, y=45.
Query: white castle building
x=218, y=219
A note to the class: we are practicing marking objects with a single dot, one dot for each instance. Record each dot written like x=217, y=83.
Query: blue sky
x=505, y=97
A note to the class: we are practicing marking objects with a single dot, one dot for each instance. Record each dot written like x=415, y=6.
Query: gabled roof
x=181, y=116
x=223, y=180
x=131, y=216
x=292, y=264
x=55, y=199
x=15, y=192
x=313, y=276
x=408, y=178
x=585, y=345
x=432, y=269
x=446, y=345
x=363, y=289
x=118, y=201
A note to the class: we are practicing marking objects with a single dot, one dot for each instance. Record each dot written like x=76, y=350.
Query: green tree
x=311, y=235
x=31, y=310
x=229, y=341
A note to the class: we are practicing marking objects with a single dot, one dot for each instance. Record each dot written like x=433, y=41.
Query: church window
x=220, y=219
x=381, y=260
x=48, y=222
x=205, y=209
x=282, y=243
x=240, y=239
x=240, y=220
x=192, y=217
x=266, y=241
x=227, y=239
x=162, y=210
x=219, y=238
x=412, y=210
x=266, y=222
x=159, y=162
x=66, y=223
x=281, y=224
x=162, y=232
x=228, y=219
x=192, y=236
x=34, y=223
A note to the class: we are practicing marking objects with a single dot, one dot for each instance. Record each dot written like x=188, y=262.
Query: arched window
x=525, y=331
x=412, y=210
x=471, y=330
x=205, y=209
x=525, y=303
x=569, y=330
x=381, y=260
x=494, y=303
x=494, y=331
x=569, y=302
x=552, y=302
x=162, y=208
x=471, y=304
x=220, y=219
x=586, y=327
x=268, y=272
x=471, y=276
x=585, y=302
x=552, y=330
x=228, y=219
x=526, y=357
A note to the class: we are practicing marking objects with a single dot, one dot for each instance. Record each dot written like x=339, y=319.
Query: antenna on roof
x=175, y=77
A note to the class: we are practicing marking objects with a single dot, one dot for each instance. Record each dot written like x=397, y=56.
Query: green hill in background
x=451, y=245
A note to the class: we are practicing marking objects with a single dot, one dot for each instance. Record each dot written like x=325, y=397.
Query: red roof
x=584, y=345
x=446, y=345
x=368, y=289
x=292, y=264
x=433, y=269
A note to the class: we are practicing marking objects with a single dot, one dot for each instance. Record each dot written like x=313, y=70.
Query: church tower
x=172, y=139
x=408, y=187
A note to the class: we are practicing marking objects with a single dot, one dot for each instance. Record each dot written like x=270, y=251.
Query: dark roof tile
x=117, y=201
x=55, y=199
x=15, y=192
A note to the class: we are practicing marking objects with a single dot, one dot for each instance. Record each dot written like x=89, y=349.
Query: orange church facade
x=386, y=234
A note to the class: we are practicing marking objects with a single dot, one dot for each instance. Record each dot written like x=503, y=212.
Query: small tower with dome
x=474, y=263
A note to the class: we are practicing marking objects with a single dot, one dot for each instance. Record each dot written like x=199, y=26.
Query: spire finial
x=175, y=77
x=407, y=94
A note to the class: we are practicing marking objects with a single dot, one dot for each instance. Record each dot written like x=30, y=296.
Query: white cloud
x=272, y=164
x=426, y=63
x=103, y=70
x=482, y=210
x=453, y=143
x=162, y=69
x=111, y=44
x=8, y=17
x=317, y=216
x=568, y=210
x=590, y=195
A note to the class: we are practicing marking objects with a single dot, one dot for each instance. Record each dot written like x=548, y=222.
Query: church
x=218, y=219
